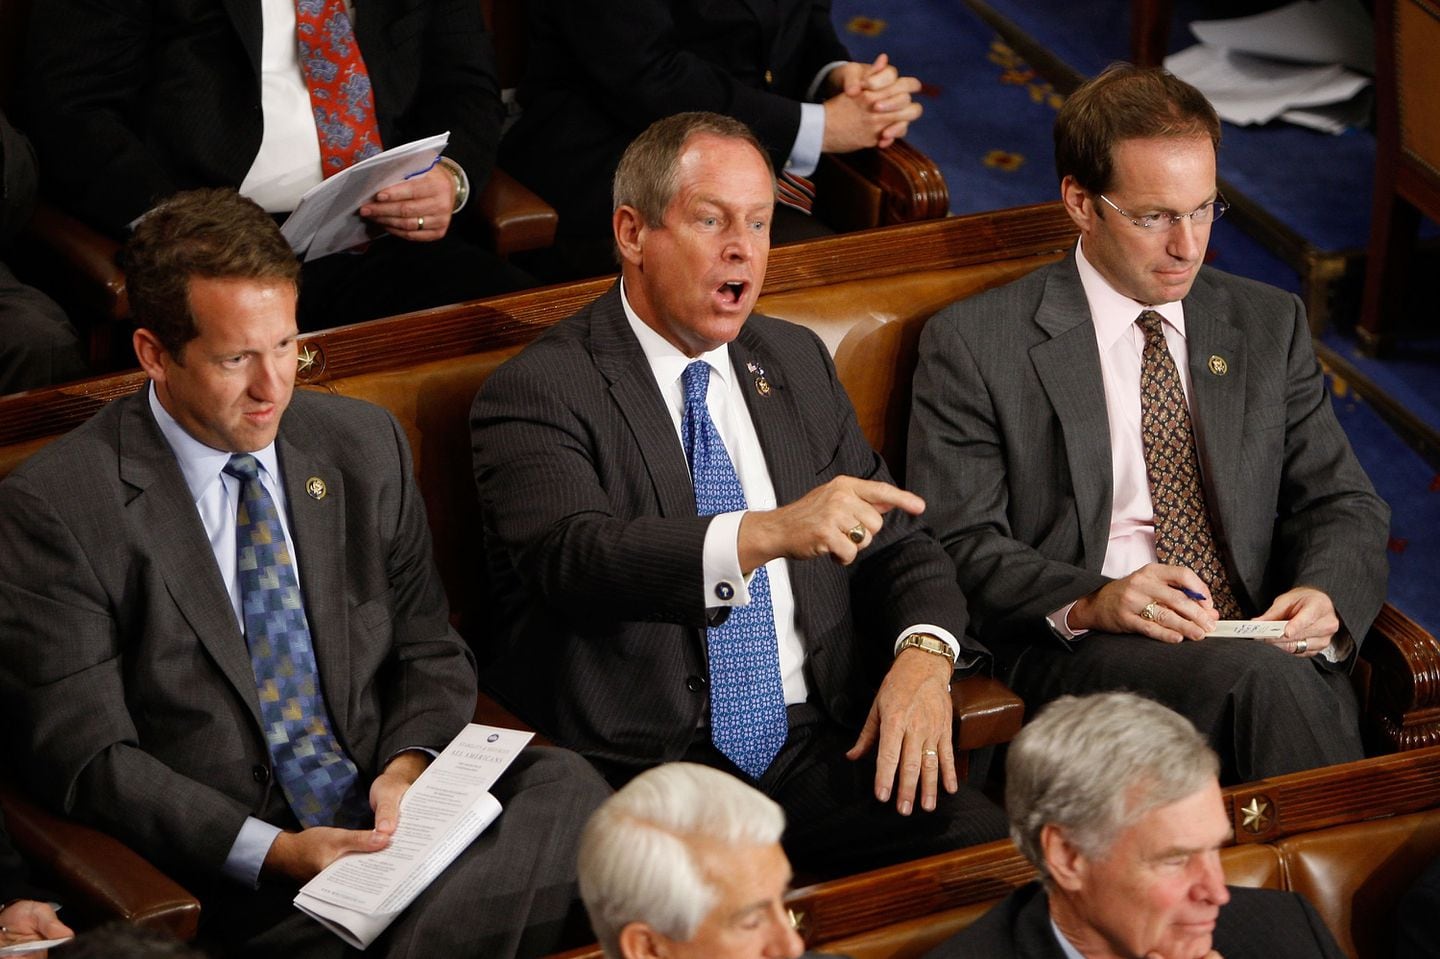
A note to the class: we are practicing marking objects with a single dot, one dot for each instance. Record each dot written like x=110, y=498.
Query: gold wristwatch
x=928, y=642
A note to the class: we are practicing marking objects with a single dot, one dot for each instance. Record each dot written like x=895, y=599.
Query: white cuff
x=247, y=854
x=724, y=584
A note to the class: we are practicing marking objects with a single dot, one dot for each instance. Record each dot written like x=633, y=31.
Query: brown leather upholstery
x=98, y=877
x=1354, y=874
x=516, y=218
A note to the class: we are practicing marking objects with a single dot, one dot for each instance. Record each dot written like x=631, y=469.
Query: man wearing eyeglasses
x=1126, y=448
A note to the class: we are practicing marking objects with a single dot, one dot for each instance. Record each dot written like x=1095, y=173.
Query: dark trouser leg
x=397, y=276
x=1266, y=711
x=835, y=825
x=511, y=893
x=38, y=346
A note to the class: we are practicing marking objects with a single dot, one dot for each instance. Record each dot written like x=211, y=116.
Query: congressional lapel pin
x=315, y=486
x=762, y=385
x=1218, y=366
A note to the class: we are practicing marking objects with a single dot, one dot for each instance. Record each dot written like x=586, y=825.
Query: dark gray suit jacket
x=1009, y=445
x=131, y=100
x=130, y=670
x=594, y=549
x=600, y=72
x=1254, y=924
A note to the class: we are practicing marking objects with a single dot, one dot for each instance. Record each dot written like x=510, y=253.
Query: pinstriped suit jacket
x=593, y=547
x=1009, y=445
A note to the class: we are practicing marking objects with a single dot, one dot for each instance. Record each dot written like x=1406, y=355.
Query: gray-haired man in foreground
x=1116, y=800
x=685, y=861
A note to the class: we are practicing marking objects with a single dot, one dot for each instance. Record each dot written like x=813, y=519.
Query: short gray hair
x=637, y=862
x=1090, y=764
x=647, y=176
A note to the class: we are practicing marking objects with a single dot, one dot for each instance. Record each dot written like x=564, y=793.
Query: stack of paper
x=1303, y=63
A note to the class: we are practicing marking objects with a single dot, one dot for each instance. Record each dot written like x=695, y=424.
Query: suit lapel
x=317, y=526
x=249, y=25
x=1218, y=370
x=1068, y=365
x=632, y=386
x=777, y=419
x=162, y=505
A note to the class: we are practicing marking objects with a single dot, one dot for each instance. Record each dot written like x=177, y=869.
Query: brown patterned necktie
x=1184, y=535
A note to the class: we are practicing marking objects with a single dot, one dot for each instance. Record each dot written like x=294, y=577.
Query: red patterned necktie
x=1184, y=535
x=795, y=191
x=339, y=85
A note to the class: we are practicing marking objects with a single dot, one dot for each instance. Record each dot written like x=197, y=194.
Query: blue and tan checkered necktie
x=748, y=722
x=320, y=782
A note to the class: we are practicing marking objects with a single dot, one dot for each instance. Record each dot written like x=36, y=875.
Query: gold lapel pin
x=1218, y=366
x=315, y=486
x=762, y=386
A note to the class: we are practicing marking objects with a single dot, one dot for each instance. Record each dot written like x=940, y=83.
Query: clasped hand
x=872, y=106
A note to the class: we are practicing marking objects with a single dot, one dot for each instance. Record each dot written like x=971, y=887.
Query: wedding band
x=1301, y=646
x=1150, y=612
x=419, y=223
x=929, y=752
x=856, y=533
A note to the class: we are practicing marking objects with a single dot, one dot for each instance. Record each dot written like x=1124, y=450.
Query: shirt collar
x=201, y=465
x=1112, y=313
x=666, y=361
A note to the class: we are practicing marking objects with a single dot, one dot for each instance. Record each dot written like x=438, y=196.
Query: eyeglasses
x=1160, y=222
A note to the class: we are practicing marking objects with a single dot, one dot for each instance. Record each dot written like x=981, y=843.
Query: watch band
x=929, y=643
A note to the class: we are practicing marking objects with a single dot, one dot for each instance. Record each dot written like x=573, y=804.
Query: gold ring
x=419, y=223
x=929, y=752
x=1150, y=612
x=1301, y=646
x=856, y=533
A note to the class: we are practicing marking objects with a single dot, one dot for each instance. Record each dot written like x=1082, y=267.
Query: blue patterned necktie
x=747, y=704
x=319, y=780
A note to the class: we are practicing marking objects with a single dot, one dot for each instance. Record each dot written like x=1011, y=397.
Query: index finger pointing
x=885, y=497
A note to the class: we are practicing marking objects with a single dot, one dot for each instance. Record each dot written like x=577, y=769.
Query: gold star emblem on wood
x=1255, y=816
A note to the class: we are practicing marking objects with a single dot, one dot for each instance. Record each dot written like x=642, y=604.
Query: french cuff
x=1059, y=623
x=805, y=153
x=1341, y=646
x=963, y=660
x=462, y=182
x=724, y=584
x=247, y=854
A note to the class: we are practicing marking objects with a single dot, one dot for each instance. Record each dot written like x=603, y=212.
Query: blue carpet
x=987, y=124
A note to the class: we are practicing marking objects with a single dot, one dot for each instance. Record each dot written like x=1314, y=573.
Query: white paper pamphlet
x=360, y=894
x=327, y=219
x=1249, y=628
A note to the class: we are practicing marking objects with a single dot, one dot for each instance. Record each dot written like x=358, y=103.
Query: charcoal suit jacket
x=1010, y=446
x=127, y=662
x=594, y=551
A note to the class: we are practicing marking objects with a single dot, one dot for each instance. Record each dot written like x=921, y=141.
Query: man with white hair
x=1116, y=800
x=685, y=861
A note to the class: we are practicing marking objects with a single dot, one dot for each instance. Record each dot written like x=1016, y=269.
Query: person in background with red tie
x=130, y=102
x=1126, y=447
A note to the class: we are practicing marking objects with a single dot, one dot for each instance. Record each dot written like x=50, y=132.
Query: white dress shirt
x=721, y=562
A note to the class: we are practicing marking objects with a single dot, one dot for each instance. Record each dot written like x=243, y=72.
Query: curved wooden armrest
x=874, y=187
x=1403, y=708
x=97, y=875
x=517, y=219
x=85, y=258
x=987, y=713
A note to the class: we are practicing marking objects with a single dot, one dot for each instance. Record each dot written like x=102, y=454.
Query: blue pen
x=1192, y=594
